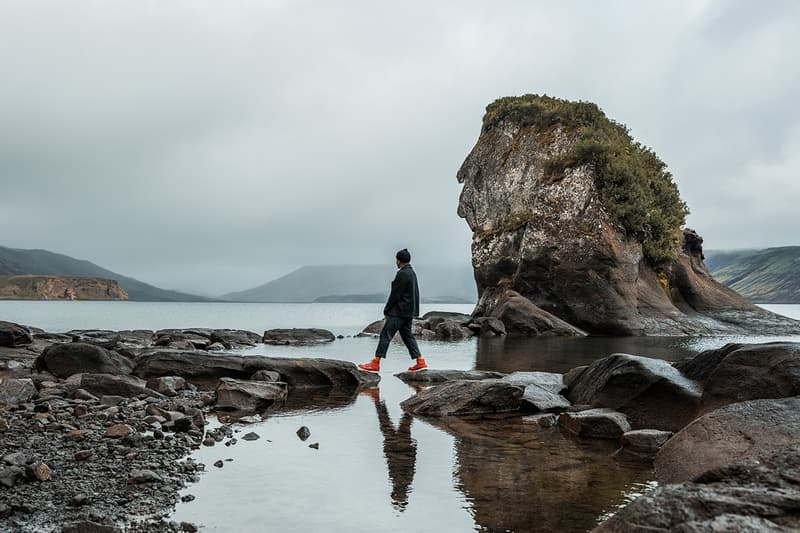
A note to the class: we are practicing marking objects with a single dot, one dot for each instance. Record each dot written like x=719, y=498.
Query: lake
x=377, y=469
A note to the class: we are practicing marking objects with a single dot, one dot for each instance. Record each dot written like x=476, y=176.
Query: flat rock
x=298, y=372
x=745, y=496
x=118, y=431
x=137, y=477
x=440, y=376
x=740, y=372
x=455, y=398
x=749, y=430
x=242, y=395
x=64, y=360
x=651, y=392
x=167, y=385
x=600, y=423
x=297, y=336
x=644, y=442
x=112, y=385
x=16, y=391
x=13, y=335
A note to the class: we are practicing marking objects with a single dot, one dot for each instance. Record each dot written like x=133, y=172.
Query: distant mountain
x=440, y=283
x=44, y=263
x=762, y=276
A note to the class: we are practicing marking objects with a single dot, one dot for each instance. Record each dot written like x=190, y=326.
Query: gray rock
x=10, y=475
x=241, y=395
x=652, y=393
x=466, y=398
x=736, y=372
x=600, y=423
x=64, y=360
x=297, y=336
x=112, y=385
x=303, y=433
x=137, y=477
x=167, y=385
x=749, y=430
x=265, y=375
x=644, y=442
x=251, y=436
x=752, y=496
x=522, y=318
x=13, y=335
x=435, y=376
x=16, y=391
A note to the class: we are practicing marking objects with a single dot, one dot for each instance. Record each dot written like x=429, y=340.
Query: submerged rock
x=651, y=392
x=749, y=430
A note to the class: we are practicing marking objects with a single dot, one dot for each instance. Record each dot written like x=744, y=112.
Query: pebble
x=314, y=445
x=303, y=433
x=251, y=436
x=219, y=463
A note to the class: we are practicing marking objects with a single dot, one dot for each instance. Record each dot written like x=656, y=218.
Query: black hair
x=404, y=256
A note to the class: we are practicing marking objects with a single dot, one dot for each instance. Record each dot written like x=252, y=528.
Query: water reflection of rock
x=519, y=477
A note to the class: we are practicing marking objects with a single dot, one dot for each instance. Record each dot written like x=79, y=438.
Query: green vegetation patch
x=634, y=185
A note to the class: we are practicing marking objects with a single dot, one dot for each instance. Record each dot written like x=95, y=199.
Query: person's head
x=403, y=257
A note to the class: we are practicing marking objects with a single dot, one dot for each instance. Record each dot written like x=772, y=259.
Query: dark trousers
x=393, y=325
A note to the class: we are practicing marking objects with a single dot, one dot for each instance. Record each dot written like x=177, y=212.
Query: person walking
x=399, y=313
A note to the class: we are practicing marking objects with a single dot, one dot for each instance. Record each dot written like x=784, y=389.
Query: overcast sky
x=211, y=146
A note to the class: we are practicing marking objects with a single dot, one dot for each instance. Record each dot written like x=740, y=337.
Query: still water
x=376, y=468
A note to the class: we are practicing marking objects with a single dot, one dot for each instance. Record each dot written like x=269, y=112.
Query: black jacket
x=404, y=298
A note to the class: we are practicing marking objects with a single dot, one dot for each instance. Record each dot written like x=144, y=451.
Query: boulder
x=64, y=360
x=16, y=391
x=488, y=326
x=644, y=442
x=235, y=338
x=265, y=375
x=466, y=398
x=435, y=376
x=737, y=372
x=652, y=393
x=294, y=372
x=182, y=340
x=297, y=336
x=752, y=496
x=749, y=430
x=109, y=384
x=167, y=385
x=522, y=318
x=13, y=335
x=241, y=395
x=543, y=390
x=600, y=423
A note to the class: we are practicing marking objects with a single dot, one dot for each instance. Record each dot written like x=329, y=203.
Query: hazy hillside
x=762, y=276
x=42, y=262
x=350, y=282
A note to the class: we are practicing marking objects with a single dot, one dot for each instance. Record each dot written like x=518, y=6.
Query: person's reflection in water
x=398, y=447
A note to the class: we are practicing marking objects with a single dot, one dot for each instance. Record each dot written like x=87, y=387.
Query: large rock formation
x=572, y=214
x=59, y=288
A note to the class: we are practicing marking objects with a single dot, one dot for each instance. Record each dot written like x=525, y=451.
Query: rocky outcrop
x=736, y=372
x=546, y=226
x=63, y=360
x=652, y=393
x=109, y=384
x=521, y=318
x=750, y=430
x=28, y=287
x=761, y=495
x=297, y=336
x=294, y=372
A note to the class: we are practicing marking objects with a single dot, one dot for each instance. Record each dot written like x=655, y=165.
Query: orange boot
x=419, y=365
x=373, y=366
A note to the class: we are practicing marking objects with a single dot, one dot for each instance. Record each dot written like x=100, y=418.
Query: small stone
x=83, y=394
x=4, y=426
x=111, y=400
x=231, y=442
x=251, y=436
x=10, y=475
x=118, y=430
x=188, y=527
x=209, y=441
x=303, y=433
x=187, y=498
x=41, y=471
x=219, y=464
x=80, y=411
x=43, y=407
x=16, y=459
x=79, y=500
x=82, y=455
x=143, y=476
x=75, y=435
x=314, y=445
x=158, y=434
x=182, y=425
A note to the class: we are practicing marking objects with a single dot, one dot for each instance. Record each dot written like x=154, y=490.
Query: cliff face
x=543, y=227
x=59, y=288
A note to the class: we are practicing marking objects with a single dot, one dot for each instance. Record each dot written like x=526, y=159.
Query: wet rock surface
x=241, y=395
x=434, y=376
x=297, y=336
x=458, y=398
x=63, y=360
x=14, y=335
x=600, y=423
x=651, y=392
x=761, y=495
x=736, y=372
x=749, y=430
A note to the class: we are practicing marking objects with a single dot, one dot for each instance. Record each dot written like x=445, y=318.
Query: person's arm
x=416, y=298
x=397, y=289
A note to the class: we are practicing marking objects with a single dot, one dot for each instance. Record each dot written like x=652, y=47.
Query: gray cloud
x=209, y=148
